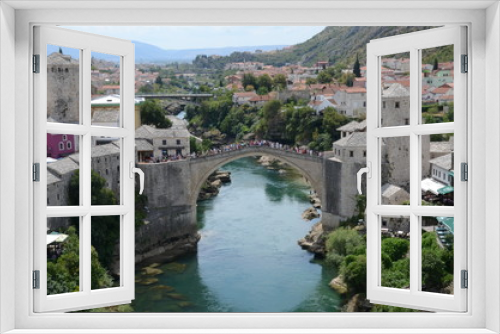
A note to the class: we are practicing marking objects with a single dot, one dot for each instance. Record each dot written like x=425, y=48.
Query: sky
x=198, y=37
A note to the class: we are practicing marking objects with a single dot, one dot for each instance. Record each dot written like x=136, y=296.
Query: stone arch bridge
x=172, y=189
x=311, y=167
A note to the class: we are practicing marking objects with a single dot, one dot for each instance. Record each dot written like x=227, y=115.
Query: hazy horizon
x=203, y=37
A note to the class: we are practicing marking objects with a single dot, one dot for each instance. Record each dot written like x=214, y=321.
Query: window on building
x=61, y=146
x=68, y=145
x=351, y=153
x=397, y=104
x=178, y=141
x=64, y=137
x=164, y=142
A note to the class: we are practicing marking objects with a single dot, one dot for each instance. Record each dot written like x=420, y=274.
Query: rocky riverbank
x=314, y=241
x=213, y=184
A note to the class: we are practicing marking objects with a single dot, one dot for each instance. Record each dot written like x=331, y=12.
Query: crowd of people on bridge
x=265, y=143
x=235, y=147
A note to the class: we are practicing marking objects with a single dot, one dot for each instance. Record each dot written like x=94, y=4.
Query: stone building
x=106, y=162
x=351, y=101
x=63, y=87
x=170, y=142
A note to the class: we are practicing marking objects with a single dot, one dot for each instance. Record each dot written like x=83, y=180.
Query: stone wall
x=340, y=186
x=171, y=227
x=63, y=87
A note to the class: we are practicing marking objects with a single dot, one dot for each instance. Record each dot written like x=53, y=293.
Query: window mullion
x=415, y=167
x=85, y=171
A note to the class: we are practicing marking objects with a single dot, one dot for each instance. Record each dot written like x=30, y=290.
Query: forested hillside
x=333, y=44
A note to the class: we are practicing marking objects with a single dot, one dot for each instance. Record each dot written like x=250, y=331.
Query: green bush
x=395, y=248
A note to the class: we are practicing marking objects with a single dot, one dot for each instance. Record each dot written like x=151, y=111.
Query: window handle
x=133, y=171
x=362, y=171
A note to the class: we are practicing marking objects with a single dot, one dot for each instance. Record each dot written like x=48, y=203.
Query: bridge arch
x=311, y=167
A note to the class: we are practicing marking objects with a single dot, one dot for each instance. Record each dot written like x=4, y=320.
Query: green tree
x=105, y=229
x=265, y=81
x=63, y=273
x=193, y=145
x=159, y=81
x=395, y=248
x=279, y=81
x=436, y=65
x=311, y=81
x=323, y=142
x=262, y=91
x=356, y=70
x=342, y=242
x=333, y=120
x=153, y=114
x=206, y=144
x=433, y=269
x=353, y=271
x=249, y=80
x=324, y=77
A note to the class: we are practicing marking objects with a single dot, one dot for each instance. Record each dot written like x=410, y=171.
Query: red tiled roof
x=446, y=97
x=354, y=90
x=441, y=90
x=258, y=98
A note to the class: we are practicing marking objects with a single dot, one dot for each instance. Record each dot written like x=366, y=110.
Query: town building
x=165, y=143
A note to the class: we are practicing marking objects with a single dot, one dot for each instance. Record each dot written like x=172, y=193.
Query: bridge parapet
x=264, y=150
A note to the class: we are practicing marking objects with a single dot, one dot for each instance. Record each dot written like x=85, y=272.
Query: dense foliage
x=63, y=273
x=105, y=230
x=346, y=250
x=153, y=114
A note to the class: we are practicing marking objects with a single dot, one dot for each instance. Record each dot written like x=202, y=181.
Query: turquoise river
x=248, y=258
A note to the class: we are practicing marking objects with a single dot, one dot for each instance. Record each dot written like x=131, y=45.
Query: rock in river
x=310, y=214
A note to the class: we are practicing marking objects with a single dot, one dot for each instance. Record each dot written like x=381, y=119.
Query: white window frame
x=485, y=46
x=378, y=49
x=85, y=298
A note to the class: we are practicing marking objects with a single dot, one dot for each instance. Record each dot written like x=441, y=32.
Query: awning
x=446, y=190
x=56, y=238
x=449, y=222
x=431, y=185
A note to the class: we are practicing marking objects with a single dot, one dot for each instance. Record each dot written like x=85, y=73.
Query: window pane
x=395, y=252
x=437, y=254
x=437, y=84
x=395, y=169
x=438, y=169
x=63, y=185
x=63, y=255
x=105, y=256
x=395, y=90
x=106, y=172
x=63, y=84
x=105, y=90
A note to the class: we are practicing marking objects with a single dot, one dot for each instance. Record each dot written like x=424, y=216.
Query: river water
x=248, y=258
